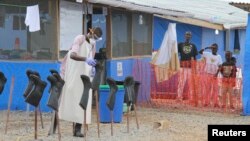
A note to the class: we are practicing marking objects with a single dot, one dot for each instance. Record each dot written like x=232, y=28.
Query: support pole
x=58, y=126
x=41, y=117
x=111, y=114
x=35, y=123
x=137, y=123
x=9, y=103
x=97, y=112
x=85, y=124
x=128, y=119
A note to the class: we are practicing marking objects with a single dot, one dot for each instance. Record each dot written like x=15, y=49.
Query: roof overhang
x=142, y=8
x=192, y=21
x=183, y=16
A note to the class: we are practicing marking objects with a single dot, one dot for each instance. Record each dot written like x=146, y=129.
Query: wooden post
x=9, y=103
x=97, y=112
x=111, y=114
x=35, y=123
x=85, y=124
x=128, y=119
x=137, y=123
x=58, y=126
x=41, y=117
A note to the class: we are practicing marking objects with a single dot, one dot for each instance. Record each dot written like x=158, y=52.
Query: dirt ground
x=179, y=124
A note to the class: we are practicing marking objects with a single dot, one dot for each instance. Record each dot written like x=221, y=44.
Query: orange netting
x=196, y=85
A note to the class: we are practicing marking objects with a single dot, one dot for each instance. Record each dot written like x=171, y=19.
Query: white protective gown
x=69, y=108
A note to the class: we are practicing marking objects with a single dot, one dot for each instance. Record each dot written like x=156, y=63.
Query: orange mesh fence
x=196, y=85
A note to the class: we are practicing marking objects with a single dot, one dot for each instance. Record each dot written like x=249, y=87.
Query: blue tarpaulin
x=18, y=71
x=246, y=73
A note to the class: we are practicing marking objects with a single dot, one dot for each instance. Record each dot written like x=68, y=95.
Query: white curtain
x=166, y=60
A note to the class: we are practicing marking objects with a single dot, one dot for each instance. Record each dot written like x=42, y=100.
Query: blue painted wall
x=18, y=71
x=209, y=37
x=127, y=66
x=161, y=25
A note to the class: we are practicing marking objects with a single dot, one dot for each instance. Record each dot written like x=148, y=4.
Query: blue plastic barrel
x=105, y=114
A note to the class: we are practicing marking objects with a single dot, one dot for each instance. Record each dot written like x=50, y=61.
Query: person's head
x=94, y=34
x=228, y=56
x=188, y=36
x=214, y=48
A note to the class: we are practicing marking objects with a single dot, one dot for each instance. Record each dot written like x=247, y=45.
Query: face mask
x=99, y=39
x=92, y=41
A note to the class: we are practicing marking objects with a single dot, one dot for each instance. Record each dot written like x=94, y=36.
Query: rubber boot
x=60, y=82
x=137, y=86
x=97, y=78
x=54, y=92
x=59, y=79
x=85, y=96
x=113, y=89
x=36, y=94
x=77, y=130
x=53, y=71
x=129, y=86
x=56, y=96
x=31, y=84
x=3, y=81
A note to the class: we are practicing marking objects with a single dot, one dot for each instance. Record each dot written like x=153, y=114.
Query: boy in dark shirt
x=228, y=70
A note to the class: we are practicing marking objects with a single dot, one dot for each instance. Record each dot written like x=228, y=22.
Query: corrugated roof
x=212, y=11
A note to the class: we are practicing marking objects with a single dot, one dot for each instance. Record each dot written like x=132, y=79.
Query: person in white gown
x=78, y=61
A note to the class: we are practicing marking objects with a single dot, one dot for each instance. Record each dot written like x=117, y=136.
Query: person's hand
x=91, y=61
x=208, y=48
